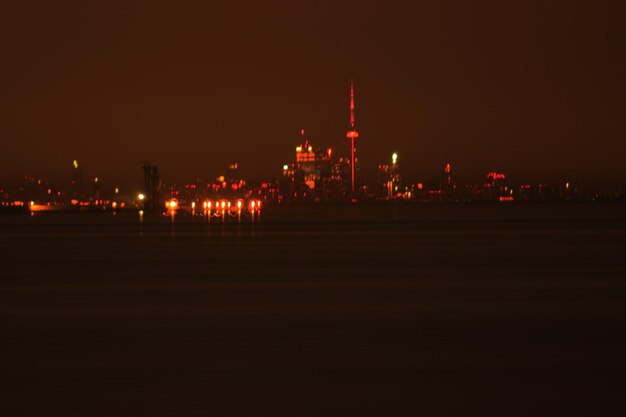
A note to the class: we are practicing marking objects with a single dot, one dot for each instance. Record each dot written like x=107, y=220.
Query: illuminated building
x=324, y=166
x=310, y=176
x=496, y=187
x=495, y=178
x=352, y=134
x=305, y=161
x=388, y=186
x=294, y=181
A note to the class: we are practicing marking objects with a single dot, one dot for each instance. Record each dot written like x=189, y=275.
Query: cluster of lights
x=496, y=176
x=221, y=205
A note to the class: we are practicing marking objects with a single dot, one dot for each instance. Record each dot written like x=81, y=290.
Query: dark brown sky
x=533, y=88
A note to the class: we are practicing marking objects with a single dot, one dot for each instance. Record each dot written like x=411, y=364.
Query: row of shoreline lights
x=222, y=205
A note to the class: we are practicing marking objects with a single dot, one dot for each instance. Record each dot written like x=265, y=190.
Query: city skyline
x=535, y=90
x=350, y=155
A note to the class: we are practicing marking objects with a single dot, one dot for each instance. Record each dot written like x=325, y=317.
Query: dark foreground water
x=408, y=310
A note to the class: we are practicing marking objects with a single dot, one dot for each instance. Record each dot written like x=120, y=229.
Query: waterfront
x=339, y=310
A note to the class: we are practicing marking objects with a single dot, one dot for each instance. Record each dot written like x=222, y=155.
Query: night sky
x=536, y=89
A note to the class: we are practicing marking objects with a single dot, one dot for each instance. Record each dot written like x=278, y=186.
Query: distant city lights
x=315, y=174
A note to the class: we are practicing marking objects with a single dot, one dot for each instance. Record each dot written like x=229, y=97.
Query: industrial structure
x=152, y=186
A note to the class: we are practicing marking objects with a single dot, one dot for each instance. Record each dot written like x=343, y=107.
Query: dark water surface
x=483, y=310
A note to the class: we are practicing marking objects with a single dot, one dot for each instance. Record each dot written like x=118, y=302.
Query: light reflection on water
x=229, y=222
x=393, y=219
x=224, y=216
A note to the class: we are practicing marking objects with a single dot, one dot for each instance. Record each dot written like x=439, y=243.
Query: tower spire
x=352, y=133
x=352, y=104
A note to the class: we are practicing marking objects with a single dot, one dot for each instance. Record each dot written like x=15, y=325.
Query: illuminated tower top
x=352, y=132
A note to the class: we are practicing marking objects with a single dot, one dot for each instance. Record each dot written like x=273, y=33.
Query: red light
x=496, y=176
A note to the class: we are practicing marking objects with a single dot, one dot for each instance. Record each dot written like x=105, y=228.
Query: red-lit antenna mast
x=352, y=132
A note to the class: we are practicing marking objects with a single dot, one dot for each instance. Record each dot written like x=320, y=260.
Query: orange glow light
x=172, y=204
x=37, y=207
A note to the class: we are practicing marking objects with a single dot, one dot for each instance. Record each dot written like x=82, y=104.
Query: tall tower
x=352, y=132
